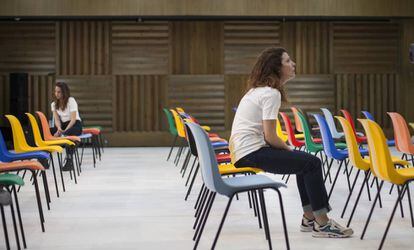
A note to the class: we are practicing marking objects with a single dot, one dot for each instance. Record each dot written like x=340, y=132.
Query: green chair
x=171, y=128
x=7, y=181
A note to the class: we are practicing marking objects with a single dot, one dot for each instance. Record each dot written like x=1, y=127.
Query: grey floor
x=133, y=199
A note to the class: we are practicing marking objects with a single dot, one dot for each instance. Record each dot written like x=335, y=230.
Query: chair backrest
x=170, y=119
x=178, y=123
x=279, y=131
x=3, y=149
x=368, y=115
x=179, y=110
x=327, y=139
x=45, y=125
x=352, y=145
x=381, y=161
x=331, y=123
x=36, y=131
x=190, y=138
x=402, y=134
x=349, y=118
x=19, y=140
x=298, y=124
x=310, y=145
x=289, y=130
x=207, y=158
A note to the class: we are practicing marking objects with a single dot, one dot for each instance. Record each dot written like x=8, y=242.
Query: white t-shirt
x=65, y=114
x=247, y=136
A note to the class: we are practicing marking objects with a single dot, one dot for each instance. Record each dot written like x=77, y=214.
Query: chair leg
x=39, y=203
x=60, y=160
x=256, y=204
x=19, y=216
x=203, y=215
x=202, y=202
x=222, y=222
x=16, y=233
x=328, y=172
x=366, y=178
x=370, y=212
x=201, y=209
x=46, y=188
x=185, y=163
x=282, y=211
x=172, y=147
x=54, y=174
x=400, y=189
x=265, y=218
x=350, y=193
x=400, y=196
x=191, y=171
x=410, y=204
x=6, y=235
x=192, y=181
x=336, y=178
x=199, y=196
x=379, y=197
x=204, y=221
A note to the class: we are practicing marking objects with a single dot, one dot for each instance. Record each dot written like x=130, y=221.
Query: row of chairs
x=353, y=153
x=36, y=159
x=236, y=181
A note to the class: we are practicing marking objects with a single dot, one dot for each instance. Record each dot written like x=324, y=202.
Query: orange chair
x=402, y=135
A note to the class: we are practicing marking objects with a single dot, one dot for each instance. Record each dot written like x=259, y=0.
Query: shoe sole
x=305, y=229
x=330, y=235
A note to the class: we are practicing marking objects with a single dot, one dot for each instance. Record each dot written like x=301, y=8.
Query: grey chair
x=231, y=186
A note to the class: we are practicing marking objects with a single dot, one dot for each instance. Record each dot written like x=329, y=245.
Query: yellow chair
x=383, y=167
x=360, y=163
x=21, y=146
x=283, y=135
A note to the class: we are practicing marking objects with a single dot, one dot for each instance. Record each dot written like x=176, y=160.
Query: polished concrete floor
x=134, y=199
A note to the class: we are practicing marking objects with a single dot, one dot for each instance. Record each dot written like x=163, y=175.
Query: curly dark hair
x=63, y=102
x=266, y=71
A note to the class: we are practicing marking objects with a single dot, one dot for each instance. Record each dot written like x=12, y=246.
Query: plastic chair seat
x=13, y=156
x=206, y=128
x=407, y=173
x=219, y=144
x=93, y=131
x=223, y=158
x=391, y=143
x=13, y=166
x=227, y=169
x=242, y=183
x=85, y=136
x=50, y=149
x=213, y=135
x=11, y=179
x=217, y=139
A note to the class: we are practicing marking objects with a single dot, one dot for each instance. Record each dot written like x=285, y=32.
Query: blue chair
x=332, y=152
x=331, y=124
x=369, y=116
x=231, y=186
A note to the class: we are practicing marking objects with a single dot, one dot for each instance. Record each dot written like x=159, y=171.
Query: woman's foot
x=332, y=229
x=307, y=224
x=68, y=165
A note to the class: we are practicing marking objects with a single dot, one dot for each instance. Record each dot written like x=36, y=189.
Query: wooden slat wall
x=41, y=93
x=201, y=96
x=243, y=42
x=27, y=47
x=197, y=47
x=308, y=45
x=365, y=47
x=235, y=88
x=4, y=100
x=84, y=48
x=376, y=93
x=139, y=100
x=140, y=48
x=94, y=97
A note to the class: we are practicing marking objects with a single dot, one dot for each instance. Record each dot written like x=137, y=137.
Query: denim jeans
x=306, y=167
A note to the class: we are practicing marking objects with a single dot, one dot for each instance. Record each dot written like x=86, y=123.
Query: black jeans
x=306, y=167
x=76, y=129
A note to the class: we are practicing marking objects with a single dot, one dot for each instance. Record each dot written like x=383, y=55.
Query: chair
x=172, y=129
x=231, y=186
x=292, y=139
x=7, y=181
x=21, y=146
x=402, y=135
x=383, y=167
x=359, y=136
x=331, y=123
x=369, y=116
x=332, y=152
x=362, y=164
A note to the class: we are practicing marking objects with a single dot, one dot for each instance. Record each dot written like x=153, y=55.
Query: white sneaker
x=331, y=230
x=306, y=225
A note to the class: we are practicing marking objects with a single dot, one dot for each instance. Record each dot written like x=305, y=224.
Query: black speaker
x=19, y=95
x=412, y=53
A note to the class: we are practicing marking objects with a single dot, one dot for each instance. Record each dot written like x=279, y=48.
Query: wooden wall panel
x=201, y=96
x=4, y=100
x=235, y=88
x=84, y=47
x=139, y=100
x=94, y=97
x=197, y=47
x=243, y=42
x=41, y=93
x=310, y=93
x=365, y=47
x=308, y=45
x=140, y=48
x=376, y=93
x=27, y=47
